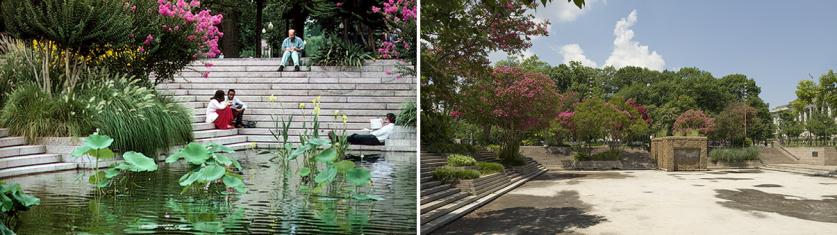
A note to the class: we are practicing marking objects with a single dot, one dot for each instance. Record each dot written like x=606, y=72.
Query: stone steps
x=28, y=160
x=27, y=170
x=799, y=169
x=21, y=150
x=434, y=189
x=442, y=202
x=11, y=141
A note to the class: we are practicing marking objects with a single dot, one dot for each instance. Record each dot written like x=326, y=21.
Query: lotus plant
x=209, y=166
x=98, y=147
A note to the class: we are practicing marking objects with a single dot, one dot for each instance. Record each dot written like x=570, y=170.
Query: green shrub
x=514, y=161
x=313, y=45
x=452, y=148
x=136, y=117
x=448, y=174
x=495, y=148
x=337, y=52
x=30, y=112
x=610, y=155
x=734, y=155
x=407, y=117
x=460, y=160
x=490, y=167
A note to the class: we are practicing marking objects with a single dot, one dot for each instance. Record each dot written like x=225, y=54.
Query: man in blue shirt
x=292, y=45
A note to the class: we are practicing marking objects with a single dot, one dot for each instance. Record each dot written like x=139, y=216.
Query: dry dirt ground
x=657, y=202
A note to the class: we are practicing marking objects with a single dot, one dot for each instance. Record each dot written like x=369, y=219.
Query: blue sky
x=776, y=43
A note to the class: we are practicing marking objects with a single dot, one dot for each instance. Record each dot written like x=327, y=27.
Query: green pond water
x=273, y=204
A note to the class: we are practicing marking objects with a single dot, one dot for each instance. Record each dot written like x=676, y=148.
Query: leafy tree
x=515, y=100
x=733, y=123
x=694, y=120
x=821, y=125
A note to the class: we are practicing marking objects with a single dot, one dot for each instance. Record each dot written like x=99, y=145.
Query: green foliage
x=337, y=52
x=32, y=113
x=78, y=25
x=407, y=116
x=734, y=155
x=14, y=200
x=448, y=174
x=460, y=160
x=452, y=148
x=208, y=166
x=98, y=147
x=609, y=155
x=494, y=148
x=313, y=45
x=490, y=167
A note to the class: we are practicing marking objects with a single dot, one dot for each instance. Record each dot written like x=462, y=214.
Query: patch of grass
x=609, y=155
x=734, y=155
x=32, y=113
x=461, y=160
x=452, y=148
x=448, y=174
x=407, y=116
x=490, y=167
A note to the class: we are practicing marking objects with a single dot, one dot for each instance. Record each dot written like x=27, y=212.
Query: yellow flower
x=253, y=145
x=317, y=110
x=271, y=98
x=336, y=114
x=301, y=105
x=345, y=119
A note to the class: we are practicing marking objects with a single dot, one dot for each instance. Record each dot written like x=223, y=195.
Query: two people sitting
x=376, y=137
x=226, y=112
x=292, y=46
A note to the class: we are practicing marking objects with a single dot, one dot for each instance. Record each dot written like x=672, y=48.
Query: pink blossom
x=134, y=8
x=148, y=40
x=205, y=74
x=141, y=49
x=375, y=9
x=195, y=3
x=339, y=4
x=208, y=65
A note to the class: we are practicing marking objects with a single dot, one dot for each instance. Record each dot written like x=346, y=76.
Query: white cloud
x=573, y=52
x=563, y=11
x=627, y=52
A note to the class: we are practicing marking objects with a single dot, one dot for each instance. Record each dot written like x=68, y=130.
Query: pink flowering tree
x=167, y=36
x=399, y=37
x=515, y=100
x=694, y=120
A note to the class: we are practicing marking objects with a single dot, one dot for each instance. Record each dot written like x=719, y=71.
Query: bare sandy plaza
x=655, y=202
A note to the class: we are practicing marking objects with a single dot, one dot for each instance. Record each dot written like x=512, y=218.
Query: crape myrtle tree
x=617, y=120
x=694, y=121
x=456, y=38
x=515, y=100
x=733, y=123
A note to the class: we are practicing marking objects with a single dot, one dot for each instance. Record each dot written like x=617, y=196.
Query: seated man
x=377, y=137
x=292, y=45
x=237, y=106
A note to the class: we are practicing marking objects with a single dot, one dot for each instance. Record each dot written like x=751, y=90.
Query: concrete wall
x=824, y=155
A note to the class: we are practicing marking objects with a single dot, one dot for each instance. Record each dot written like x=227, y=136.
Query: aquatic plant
x=209, y=166
x=98, y=147
x=12, y=201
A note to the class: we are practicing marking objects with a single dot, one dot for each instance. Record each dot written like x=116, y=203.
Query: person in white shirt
x=377, y=137
x=237, y=106
x=218, y=111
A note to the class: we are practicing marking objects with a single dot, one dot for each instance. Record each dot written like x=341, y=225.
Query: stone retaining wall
x=826, y=156
x=680, y=153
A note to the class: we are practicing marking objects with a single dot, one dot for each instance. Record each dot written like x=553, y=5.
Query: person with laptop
x=376, y=137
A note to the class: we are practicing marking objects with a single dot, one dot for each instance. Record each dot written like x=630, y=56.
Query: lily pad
x=195, y=153
x=327, y=156
x=319, y=142
x=189, y=178
x=305, y=171
x=139, y=162
x=113, y=172
x=218, y=148
x=344, y=166
x=101, y=153
x=211, y=172
x=81, y=151
x=97, y=141
x=99, y=179
x=224, y=160
x=358, y=176
x=326, y=175
x=235, y=183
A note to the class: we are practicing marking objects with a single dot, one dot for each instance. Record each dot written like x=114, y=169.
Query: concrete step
x=430, y=206
x=26, y=170
x=201, y=126
x=224, y=140
x=800, y=170
x=396, y=98
x=11, y=141
x=275, y=89
x=429, y=184
x=434, y=189
x=214, y=133
x=28, y=160
x=291, y=105
x=438, y=195
x=4, y=132
x=22, y=150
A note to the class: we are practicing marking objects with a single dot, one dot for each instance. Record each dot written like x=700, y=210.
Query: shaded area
x=726, y=178
x=754, y=200
x=767, y=186
x=723, y=172
x=526, y=214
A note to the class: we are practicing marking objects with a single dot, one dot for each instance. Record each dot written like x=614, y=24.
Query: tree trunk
x=230, y=44
x=486, y=135
x=259, y=9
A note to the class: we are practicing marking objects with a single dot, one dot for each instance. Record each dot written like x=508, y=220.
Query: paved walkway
x=657, y=202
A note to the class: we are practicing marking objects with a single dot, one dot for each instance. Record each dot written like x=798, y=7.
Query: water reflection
x=273, y=203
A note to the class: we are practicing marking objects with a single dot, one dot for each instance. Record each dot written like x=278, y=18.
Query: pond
x=273, y=203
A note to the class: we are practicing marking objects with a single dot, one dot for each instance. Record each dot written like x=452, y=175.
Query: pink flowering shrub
x=399, y=38
x=694, y=120
x=167, y=35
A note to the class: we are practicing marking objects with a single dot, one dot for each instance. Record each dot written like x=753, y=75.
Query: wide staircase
x=362, y=93
x=18, y=158
x=442, y=203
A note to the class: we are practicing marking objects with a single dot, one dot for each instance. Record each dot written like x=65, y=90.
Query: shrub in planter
x=448, y=174
x=610, y=155
x=490, y=167
x=460, y=160
x=734, y=155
